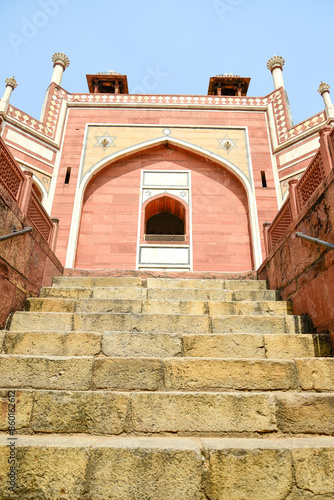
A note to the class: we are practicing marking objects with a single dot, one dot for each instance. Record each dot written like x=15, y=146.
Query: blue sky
x=168, y=46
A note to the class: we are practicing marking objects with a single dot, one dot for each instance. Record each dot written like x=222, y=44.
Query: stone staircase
x=147, y=389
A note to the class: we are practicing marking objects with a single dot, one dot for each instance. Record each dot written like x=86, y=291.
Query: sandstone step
x=127, y=344
x=158, y=293
x=219, y=413
x=169, y=468
x=100, y=322
x=159, y=306
x=84, y=305
x=85, y=372
x=206, y=284
x=53, y=343
x=260, y=324
x=106, y=281
x=157, y=323
x=149, y=388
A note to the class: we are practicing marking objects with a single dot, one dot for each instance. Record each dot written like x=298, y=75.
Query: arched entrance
x=117, y=208
x=165, y=216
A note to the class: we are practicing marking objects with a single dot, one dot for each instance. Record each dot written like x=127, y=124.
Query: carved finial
x=275, y=62
x=60, y=58
x=11, y=82
x=323, y=87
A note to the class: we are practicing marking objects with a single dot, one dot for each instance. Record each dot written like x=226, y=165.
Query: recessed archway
x=164, y=216
x=220, y=224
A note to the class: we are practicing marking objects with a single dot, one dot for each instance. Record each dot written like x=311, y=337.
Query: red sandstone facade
x=106, y=162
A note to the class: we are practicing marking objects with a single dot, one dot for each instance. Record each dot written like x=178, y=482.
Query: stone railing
x=278, y=226
x=19, y=184
x=11, y=176
x=300, y=191
x=310, y=180
x=39, y=217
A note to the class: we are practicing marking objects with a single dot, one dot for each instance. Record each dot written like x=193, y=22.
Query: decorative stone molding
x=109, y=72
x=60, y=58
x=323, y=87
x=275, y=62
x=11, y=82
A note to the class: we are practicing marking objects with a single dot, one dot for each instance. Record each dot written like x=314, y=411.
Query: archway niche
x=216, y=218
x=165, y=219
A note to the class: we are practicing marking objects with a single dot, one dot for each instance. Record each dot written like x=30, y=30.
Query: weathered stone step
x=158, y=306
x=125, y=292
x=156, y=323
x=127, y=344
x=169, y=468
x=245, y=345
x=84, y=373
x=219, y=413
x=206, y=284
x=84, y=305
x=158, y=293
x=107, y=281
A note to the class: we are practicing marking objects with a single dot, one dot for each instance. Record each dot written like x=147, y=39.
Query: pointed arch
x=145, y=147
x=164, y=202
x=164, y=141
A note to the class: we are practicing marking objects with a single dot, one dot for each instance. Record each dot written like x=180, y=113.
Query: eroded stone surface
x=236, y=473
x=18, y=404
x=45, y=473
x=306, y=413
x=146, y=470
x=316, y=374
x=53, y=343
x=89, y=412
x=193, y=373
x=224, y=346
x=287, y=346
x=203, y=412
x=46, y=373
x=314, y=469
x=127, y=374
x=141, y=344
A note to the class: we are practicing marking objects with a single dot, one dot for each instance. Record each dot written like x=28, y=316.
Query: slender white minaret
x=275, y=65
x=324, y=92
x=60, y=63
x=10, y=86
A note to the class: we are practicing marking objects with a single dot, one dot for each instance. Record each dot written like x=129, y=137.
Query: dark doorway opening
x=165, y=223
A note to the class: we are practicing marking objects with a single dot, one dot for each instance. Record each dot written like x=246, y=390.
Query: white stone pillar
x=10, y=86
x=324, y=92
x=60, y=63
x=275, y=65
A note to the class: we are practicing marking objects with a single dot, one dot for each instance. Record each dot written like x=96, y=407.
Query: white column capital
x=323, y=87
x=10, y=86
x=275, y=62
x=275, y=65
x=325, y=94
x=60, y=58
x=11, y=82
x=60, y=63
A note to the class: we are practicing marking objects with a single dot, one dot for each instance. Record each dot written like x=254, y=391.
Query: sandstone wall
x=26, y=262
x=304, y=271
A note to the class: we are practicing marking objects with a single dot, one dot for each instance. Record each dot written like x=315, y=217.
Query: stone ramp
x=145, y=388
